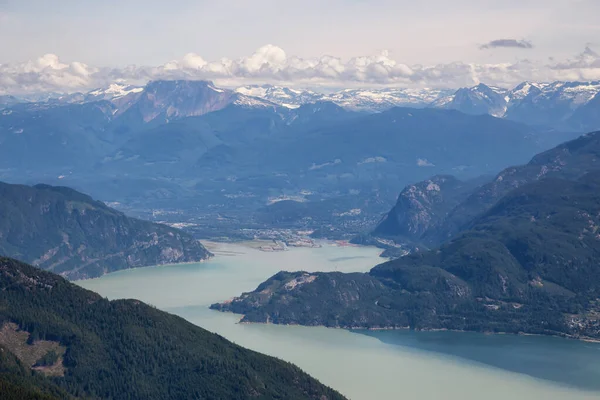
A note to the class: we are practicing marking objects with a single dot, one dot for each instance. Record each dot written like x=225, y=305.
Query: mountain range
x=565, y=105
x=191, y=147
x=556, y=104
x=522, y=257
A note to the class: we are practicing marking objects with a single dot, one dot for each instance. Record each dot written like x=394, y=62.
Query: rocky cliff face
x=66, y=232
x=161, y=101
x=423, y=206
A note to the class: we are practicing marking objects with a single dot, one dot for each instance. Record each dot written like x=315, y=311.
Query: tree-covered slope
x=569, y=160
x=529, y=264
x=128, y=350
x=66, y=232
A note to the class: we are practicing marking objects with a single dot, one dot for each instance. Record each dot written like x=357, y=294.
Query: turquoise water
x=363, y=365
x=567, y=362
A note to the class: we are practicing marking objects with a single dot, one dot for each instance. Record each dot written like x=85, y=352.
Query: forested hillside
x=126, y=349
x=69, y=233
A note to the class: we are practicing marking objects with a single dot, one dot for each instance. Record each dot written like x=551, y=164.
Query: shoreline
x=212, y=246
x=141, y=267
x=585, y=339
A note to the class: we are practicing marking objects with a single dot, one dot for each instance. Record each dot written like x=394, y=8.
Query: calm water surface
x=362, y=364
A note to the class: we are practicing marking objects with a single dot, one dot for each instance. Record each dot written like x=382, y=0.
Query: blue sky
x=151, y=32
x=74, y=44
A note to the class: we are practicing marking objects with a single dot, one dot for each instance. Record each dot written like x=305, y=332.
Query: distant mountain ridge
x=67, y=232
x=553, y=104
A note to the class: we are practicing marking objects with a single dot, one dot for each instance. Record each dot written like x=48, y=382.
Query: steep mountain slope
x=569, y=160
x=128, y=350
x=162, y=101
x=172, y=99
x=64, y=231
x=423, y=206
x=529, y=264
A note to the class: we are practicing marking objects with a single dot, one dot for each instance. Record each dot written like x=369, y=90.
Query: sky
x=69, y=45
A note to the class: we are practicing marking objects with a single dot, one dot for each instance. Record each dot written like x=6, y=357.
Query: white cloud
x=270, y=64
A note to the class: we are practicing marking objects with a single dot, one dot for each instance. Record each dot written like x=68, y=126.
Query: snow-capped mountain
x=529, y=102
x=159, y=101
x=370, y=100
x=524, y=90
x=480, y=99
x=375, y=100
x=286, y=97
x=551, y=104
x=178, y=99
x=113, y=92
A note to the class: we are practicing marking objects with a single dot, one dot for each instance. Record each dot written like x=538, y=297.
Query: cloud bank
x=519, y=44
x=271, y=64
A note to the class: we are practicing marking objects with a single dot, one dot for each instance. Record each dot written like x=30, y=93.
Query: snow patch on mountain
x=252, y=102
x=115, y=91
x=286, y=97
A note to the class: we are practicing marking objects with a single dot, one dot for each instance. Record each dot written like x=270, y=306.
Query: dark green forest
x=128, y=350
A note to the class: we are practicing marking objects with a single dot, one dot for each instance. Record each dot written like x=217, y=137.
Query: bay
x=363, y=364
